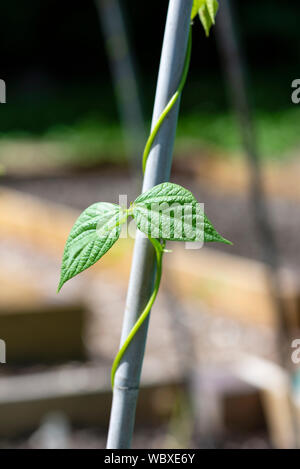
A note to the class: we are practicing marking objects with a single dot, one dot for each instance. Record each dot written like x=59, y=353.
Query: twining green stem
x=170, y=103
x=120, y=222
x=159, y=248
x=159, y=253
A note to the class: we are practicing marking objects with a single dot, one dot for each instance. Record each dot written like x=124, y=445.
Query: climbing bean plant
x=167, y=212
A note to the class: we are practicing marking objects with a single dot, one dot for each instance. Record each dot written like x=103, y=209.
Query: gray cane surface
x=158, y=167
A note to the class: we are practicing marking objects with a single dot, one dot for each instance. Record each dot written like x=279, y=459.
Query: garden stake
x=141, y=279
x=124, y=79
x=233, y=67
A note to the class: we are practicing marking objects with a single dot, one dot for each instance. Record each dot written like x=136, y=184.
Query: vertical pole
x=124, y=77
x=233, y=67
x=158, y=167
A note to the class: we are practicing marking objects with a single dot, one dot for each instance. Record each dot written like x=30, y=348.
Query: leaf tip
x=226, y=241
x=60, y=285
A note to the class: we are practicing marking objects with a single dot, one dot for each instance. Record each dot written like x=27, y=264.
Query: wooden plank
x=227, y=284
x=230, y=285
x=273, y=382
x=81, y=393
x=53, y=334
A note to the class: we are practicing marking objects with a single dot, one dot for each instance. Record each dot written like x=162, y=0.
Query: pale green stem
x=159, y=252
x=170, y=103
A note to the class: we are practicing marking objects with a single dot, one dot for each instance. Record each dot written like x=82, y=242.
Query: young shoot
x=167, y=212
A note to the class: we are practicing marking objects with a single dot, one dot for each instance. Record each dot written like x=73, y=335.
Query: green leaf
x=166, y=192
x=212, y=7
x=211, y=235
x=207, y=13
x=196, y=6
x=171, y=212
x=92, y=235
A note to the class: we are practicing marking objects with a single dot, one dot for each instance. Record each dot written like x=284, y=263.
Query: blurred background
x=219, y=369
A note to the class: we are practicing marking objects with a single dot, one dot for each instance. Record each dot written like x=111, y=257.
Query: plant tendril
x=159, y=249
x=158, y=246
x=171, y=103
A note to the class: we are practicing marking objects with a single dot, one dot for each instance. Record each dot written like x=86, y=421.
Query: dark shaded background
x=54, y=49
